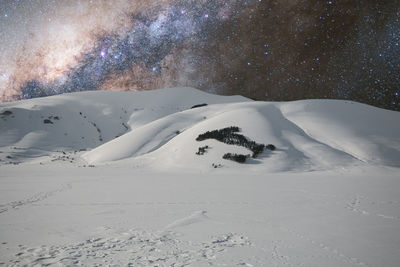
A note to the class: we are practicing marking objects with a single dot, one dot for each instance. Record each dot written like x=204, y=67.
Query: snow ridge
x=158, y=129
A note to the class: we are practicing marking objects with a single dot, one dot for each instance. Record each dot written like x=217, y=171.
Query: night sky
x=262, y=49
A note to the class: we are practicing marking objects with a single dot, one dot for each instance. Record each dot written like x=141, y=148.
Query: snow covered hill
x=159, y=129
x=119, y=179
x=66, y=124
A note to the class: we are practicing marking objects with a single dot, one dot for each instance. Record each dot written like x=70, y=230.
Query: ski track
x=32, y=200
x=131, y=248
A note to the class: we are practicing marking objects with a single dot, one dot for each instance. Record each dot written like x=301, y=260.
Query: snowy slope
x=85, y=120
x=309, y=135
x=113, y=179
x=367, y=133
x=159, y=128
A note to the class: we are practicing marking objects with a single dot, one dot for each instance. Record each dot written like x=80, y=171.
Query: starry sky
x=275, y=50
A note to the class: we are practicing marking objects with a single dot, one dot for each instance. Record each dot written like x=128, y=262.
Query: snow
x=349, y=138
x=115, y=180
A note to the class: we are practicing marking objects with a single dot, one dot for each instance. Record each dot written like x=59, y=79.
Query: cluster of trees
x=230, y=136
x=270, y=147
x=236, y=157
x=202, y=150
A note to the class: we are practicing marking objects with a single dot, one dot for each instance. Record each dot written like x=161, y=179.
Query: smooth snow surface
x=112, y=178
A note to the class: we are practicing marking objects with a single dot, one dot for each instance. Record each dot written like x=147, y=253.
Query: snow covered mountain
x=139, y=179
x=159, y=129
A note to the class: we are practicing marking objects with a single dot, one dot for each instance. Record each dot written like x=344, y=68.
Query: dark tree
x=235, y=157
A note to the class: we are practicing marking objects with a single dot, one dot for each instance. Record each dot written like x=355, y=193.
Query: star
x=308, y=49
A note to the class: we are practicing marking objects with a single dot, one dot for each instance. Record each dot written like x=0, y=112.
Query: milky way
x=263, y=49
